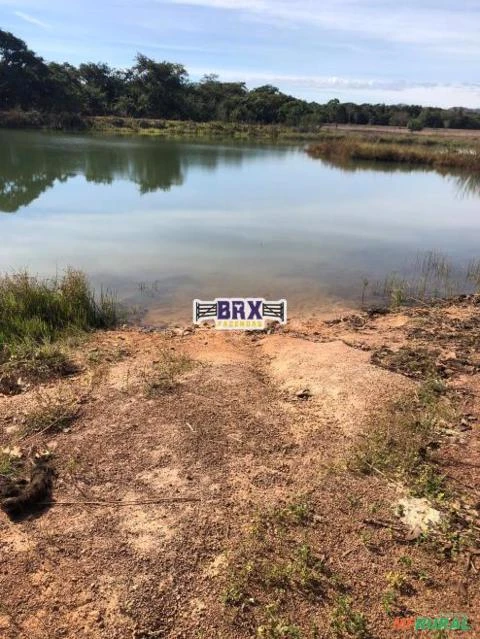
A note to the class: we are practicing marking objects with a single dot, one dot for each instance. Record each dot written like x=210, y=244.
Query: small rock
x=304, y=394
x=464, y=426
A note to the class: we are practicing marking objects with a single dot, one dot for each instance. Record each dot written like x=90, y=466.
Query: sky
x=403, y=51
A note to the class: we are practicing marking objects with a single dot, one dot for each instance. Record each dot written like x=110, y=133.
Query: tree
x=163, y=90
x=103, y=87
x=159, y=88
x=24, y=77
x=415, y=124
x=66, y=88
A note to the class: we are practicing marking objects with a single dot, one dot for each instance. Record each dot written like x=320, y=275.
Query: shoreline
x=443, y=151
x=219, y=129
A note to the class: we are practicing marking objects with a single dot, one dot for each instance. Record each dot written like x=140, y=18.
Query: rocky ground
x=205, y=487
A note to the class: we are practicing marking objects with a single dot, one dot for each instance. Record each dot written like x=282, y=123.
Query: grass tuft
x=400, y=440
x=37, y=311
x=36, y=315
x=346, y=622
x=164, y=375
x=51, y=413
x=7, y=467
x=349, y=148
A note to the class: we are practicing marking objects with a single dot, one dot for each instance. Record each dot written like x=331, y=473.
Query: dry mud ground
x=246, y=520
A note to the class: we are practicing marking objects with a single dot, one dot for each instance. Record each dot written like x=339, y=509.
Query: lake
x=163, y=222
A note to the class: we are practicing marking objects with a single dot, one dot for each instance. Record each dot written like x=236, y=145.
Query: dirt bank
x=241, y=514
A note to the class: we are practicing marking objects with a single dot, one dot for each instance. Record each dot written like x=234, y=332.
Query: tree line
x=151, y=89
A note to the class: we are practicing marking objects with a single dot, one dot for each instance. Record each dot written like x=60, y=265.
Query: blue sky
x=410, y=51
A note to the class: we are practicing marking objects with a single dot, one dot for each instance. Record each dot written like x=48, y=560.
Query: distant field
x=395, y=130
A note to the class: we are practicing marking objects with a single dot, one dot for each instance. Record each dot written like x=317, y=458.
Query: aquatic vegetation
x=35, y=311
x=436, y=156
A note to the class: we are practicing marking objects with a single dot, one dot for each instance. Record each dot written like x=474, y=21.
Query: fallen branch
x=382, y=524
x=120, y=503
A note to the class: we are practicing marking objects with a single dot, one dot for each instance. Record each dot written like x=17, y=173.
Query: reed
x=436, y=156
x=35, y=311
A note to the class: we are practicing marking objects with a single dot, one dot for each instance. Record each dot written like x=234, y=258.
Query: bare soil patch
x=222, y=505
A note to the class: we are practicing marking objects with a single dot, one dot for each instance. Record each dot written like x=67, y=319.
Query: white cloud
x=323, y=88
x=446, y=25
x=32, y=20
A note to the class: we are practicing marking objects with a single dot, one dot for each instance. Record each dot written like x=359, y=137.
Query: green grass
x=277, y=576
x=6, y=465
x=209, y=130
x=400, y=439
x=40, y=310
x=347, y=622
x=164, y=375
x=37, y=314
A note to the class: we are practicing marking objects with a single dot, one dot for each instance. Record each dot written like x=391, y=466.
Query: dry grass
x=344, y=149
x=51, y=413
x=164, y=375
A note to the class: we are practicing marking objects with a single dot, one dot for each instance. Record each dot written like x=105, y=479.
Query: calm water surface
x=164, y=222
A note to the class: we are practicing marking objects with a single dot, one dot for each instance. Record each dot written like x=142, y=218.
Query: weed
x=275, y=570
x=32, y=362
x=406, y=561
x=346, y=622
x=163, y=377
x=51, y=413
x=35, y=314
x=399, y=438
x=37, y=310
x=395, y=580
x=98, y=356
x=276, y=627
x=389, y=600
x=418, y=363
x=6, y=465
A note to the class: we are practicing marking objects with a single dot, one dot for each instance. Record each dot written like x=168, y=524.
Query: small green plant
x=276, y=627
x=346, y=622
x=389, y=600
x=398, y=440
x=164, y=375
x=6, y=465
x=298, y=513
x=406, y=561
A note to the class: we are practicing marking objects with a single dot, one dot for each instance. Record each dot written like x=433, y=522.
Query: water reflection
x=466, y=184
x=30, y=163
x=201, y=220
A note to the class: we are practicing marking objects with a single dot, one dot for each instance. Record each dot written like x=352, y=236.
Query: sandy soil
x=258, y=421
